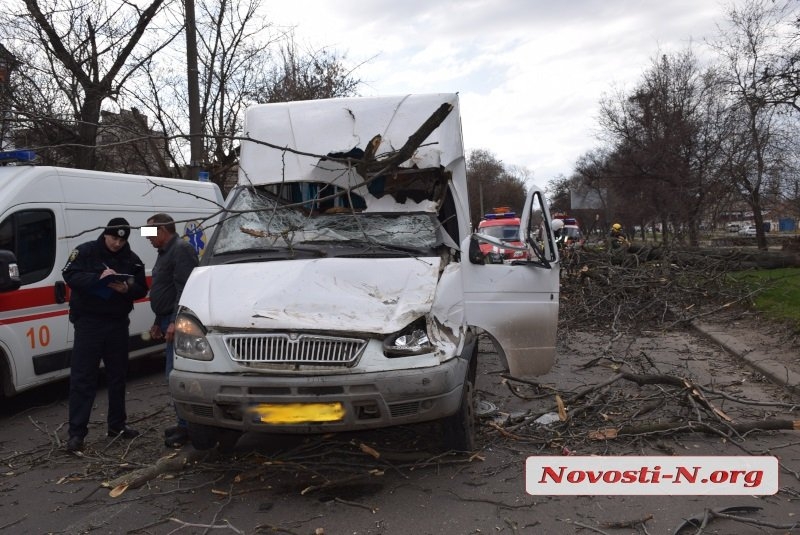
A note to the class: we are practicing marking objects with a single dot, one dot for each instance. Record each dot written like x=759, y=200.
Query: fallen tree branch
x=694, y=427
x=173, y=462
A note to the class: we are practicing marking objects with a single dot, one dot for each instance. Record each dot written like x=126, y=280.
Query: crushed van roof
x=345, y=127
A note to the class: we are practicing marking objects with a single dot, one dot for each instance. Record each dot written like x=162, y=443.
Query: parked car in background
x=733, y=227
x=749, y=230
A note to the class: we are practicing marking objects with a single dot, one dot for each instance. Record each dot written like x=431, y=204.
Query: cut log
x=173, y=462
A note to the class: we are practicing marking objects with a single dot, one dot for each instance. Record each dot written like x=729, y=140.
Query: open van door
x=516, y=303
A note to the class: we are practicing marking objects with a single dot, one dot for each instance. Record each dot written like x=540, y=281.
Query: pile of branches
x=628, y=406
x=642, y=286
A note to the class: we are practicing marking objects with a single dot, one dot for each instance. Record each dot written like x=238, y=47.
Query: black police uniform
x=100, y=317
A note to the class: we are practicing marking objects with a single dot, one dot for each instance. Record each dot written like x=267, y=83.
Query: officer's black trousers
x=97, y=338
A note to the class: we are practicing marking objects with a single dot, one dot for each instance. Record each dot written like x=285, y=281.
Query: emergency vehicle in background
x=45, y=212
x=502, y=224
x=570, y=231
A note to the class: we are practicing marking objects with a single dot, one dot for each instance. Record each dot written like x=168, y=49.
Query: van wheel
x=227, y=439
x=459, y=428
x=203, y=437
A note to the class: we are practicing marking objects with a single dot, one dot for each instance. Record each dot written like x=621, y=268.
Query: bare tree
x=666, y=137
x=491, y=184
x=312, y=75
x=559, y=194
x=243, y=60
x=83, y=53
x=781, y=73
x=756, y=130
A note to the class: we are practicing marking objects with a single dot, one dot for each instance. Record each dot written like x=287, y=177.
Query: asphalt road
x=398, y=481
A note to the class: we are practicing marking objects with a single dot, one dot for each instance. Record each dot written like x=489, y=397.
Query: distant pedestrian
x=105, y=277
x=176, y=260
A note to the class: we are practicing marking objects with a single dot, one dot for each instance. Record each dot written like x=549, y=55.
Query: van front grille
x=282, y=348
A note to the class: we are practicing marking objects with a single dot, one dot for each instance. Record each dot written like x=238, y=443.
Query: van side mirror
x=475, y=253
x=9, y=272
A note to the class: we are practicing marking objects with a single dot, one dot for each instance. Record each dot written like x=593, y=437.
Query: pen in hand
x=108, y=271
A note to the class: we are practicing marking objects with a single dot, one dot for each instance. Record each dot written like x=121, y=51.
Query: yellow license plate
x=298, y=413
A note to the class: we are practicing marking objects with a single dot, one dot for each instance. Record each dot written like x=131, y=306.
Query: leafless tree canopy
x=75, y=57
x=76, y=62
x=688, y=141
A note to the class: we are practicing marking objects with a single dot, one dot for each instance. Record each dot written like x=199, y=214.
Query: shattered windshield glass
x=258, y=221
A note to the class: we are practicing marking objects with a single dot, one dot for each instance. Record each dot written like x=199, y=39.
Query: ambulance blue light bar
x=503, y=215
x=17, y=156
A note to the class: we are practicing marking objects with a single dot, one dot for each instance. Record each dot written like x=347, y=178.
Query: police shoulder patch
x=73, y=255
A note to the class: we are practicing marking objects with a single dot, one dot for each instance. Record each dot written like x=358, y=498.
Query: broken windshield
x=257, y=220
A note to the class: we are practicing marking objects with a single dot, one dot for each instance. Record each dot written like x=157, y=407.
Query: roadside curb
x=775, y=371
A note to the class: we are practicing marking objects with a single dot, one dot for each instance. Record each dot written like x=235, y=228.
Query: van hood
x=375, y=295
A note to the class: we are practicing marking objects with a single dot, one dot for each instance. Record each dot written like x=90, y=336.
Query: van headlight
x=190, y=339
x=413, y=340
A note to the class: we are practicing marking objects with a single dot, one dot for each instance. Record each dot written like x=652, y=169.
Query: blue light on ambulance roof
x=17, y=156
x=502, y=215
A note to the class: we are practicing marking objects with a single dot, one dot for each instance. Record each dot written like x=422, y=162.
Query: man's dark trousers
x=98, y=338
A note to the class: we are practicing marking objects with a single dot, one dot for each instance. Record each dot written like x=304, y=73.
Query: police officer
x=105, y=277
x=175, y=262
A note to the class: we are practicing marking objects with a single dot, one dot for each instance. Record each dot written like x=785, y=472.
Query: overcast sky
x=530, y=73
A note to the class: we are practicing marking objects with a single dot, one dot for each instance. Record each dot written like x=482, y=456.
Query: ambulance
x=45, y=212
x=503, y=225
x=345, y=290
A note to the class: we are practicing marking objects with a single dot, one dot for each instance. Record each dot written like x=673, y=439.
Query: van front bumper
x=369, y=400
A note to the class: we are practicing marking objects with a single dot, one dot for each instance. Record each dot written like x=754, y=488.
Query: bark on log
x=174, y=462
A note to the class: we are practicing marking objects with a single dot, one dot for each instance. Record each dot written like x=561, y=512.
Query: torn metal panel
x=397, y=157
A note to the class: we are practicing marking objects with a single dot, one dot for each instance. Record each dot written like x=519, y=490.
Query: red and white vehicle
x=45, y=212
x=503, y=225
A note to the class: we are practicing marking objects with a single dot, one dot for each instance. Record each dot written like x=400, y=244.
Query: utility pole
x=193, y=86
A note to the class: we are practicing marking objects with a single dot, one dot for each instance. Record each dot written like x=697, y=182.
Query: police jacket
x=91, y=295
x=174, y=264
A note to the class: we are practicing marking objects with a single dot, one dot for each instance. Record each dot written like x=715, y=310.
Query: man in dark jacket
x=105, y=277
x=175, y=262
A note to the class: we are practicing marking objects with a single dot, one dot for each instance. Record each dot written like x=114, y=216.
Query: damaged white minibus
x=345, y=289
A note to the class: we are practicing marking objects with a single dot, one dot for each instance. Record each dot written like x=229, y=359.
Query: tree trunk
x=85, y=153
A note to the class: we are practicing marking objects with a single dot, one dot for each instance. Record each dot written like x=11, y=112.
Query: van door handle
x=61, y=292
